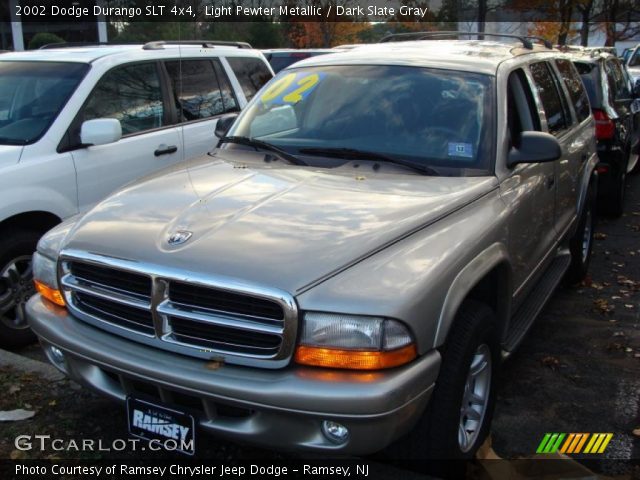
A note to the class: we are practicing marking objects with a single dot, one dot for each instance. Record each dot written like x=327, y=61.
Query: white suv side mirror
x=100, y=131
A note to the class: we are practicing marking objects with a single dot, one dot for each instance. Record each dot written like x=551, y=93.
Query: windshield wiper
x=251, y=142
x=352, y=153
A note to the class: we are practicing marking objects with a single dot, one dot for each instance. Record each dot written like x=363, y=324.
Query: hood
x=258, y=223
x=10, y=154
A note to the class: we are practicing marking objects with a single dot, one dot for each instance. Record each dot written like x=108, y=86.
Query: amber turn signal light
x=354, y=359
x=54, y=296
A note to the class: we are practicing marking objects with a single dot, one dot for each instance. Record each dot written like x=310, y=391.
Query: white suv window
x=130, y=94
x=31, y=96
x=200, y=92
x=252, y=74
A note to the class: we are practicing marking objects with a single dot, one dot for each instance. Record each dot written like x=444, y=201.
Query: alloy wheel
x=16, y=288
x=475, y=398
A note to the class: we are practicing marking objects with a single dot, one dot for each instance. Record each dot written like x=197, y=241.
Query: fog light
x=57, y=354
x=56, y=357
x=335, y=432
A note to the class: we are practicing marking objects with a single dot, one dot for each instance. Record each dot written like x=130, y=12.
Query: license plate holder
x=152, y=422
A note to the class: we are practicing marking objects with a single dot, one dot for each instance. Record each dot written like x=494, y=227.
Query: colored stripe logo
x=593, y=443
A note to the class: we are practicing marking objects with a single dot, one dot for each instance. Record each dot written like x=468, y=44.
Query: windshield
x=635, y=60
x=437, y=118
x=31, y=96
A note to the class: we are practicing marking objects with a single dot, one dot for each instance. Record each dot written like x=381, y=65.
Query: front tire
x=460, y=411
x=16, y=287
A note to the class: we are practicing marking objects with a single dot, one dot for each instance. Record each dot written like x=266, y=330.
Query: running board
x=535, y=301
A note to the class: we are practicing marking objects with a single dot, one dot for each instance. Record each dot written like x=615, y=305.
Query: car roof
x=590, y=55
x=91, y=54
x=296, y=50
x=482, y=56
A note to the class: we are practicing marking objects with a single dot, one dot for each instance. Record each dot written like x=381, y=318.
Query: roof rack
x=76, y=44
x=591, y=51
x=160, y=44
x=525, y=39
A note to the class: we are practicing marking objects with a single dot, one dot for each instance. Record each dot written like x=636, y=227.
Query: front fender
x=412, y=280
x=47, y=185
x=17, y=200
x=495, y=256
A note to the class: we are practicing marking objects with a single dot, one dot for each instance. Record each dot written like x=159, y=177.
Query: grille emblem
x=179, y=237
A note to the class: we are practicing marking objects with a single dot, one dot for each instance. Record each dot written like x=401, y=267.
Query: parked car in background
x=632, y=62
x=77, y=123
x=376, y=231
x=612, y=97
x=280, y=58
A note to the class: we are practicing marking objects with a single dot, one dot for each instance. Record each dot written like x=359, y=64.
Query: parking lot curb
x=27, y=365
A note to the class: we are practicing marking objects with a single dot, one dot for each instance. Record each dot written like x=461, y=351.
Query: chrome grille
x=218, y=337
x=163, y=308
x=118, y=314
x=224, y=301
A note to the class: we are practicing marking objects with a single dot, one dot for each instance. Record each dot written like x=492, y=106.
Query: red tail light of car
x=605, y=128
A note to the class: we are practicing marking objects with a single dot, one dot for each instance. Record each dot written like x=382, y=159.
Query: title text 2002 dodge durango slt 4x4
x=346, y=270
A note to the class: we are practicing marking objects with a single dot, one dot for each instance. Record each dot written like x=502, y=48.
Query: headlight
x=46, y=279
x=353, y=342
x=45, y=274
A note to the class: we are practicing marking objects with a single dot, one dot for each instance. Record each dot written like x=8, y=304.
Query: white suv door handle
x=165, y=150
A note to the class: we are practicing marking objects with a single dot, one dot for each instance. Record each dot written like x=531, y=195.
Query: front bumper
x=281, y=409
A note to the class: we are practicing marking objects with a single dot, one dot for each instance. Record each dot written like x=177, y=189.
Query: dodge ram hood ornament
x=179, y=237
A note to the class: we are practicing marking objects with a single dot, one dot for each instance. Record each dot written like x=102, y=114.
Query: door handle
x=164, y=150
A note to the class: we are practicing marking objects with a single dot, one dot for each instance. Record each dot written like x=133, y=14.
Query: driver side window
x=521, y=113
x=130, y=94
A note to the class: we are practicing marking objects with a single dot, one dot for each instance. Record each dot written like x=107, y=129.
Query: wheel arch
x=488, y=279
x=589, y=180
x=37, y=220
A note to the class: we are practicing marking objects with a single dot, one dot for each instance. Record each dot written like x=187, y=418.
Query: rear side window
x=130, y=94
x=576, y=89
x=549, y=96
x=252, y=73
x=590, y=74
x=617, y=82
x=197, y=91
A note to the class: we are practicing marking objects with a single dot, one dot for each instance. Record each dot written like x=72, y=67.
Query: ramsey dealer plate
x=172, y=429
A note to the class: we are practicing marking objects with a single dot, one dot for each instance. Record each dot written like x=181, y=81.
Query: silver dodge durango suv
x=344, y=273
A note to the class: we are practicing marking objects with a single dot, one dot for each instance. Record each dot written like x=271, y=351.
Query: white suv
x=77, y=123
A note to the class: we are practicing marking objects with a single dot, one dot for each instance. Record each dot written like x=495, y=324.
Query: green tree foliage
x=44, y=38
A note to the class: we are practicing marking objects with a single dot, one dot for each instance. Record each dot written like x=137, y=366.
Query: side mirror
x=100, y=131
x=224, y=124
x=535, y=147
x=636, y=89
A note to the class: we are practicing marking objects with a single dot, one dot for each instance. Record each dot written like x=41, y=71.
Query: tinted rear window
x=576, y=89
x=278, y=62
x=551, y=101
x=589, y=73
x=252, y=74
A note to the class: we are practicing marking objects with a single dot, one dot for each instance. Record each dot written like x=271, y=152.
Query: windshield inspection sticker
x=464, y=150
x=291, y=88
